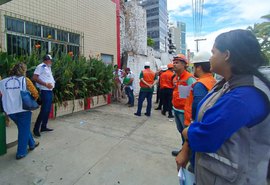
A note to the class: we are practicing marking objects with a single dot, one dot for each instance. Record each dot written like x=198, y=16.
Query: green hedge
x=75, y=78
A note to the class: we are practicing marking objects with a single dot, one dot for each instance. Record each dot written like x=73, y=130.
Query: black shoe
x=18, y=157
x=163, y=113
x=136, y=114
x=36, y=145
x=36, y=133
x=170, y=116
x=175, y=152
x=130, y=105
x=158, y=108
x=46, y=130
x=147, y=114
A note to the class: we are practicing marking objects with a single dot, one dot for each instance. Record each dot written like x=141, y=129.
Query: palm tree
x=262, y=32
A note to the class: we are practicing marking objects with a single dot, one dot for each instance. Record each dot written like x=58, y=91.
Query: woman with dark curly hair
x=231, y=132
x=12, y=103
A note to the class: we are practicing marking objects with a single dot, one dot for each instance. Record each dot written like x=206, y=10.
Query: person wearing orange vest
x=199, y=90
x=182, y=85
x=162, y=69
x=148, y=79
x=166, y=90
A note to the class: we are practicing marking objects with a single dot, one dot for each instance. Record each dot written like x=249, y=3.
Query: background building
x=157, y=21
x=81, y=27
x=178, y=32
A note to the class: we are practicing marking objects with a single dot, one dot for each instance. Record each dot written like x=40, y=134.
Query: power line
x=197, y=13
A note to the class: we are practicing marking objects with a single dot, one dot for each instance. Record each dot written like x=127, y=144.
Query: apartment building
x=178, y=31
x=157, y=22
x=77, y=26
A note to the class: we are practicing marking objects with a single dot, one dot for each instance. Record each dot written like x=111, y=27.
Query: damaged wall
x=135, y=36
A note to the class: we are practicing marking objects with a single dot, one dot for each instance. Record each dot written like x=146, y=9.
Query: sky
x=218, y=16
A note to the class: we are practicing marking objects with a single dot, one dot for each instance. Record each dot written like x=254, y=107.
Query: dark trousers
x=142, y=96
x=130, y=95
x=166, y=97
x=158, y=94
x=42, y=119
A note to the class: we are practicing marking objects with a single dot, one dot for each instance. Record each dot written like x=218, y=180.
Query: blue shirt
x=242, y=106
x=199, y=92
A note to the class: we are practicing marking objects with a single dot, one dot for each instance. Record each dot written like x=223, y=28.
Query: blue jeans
x=142, y=96
x=23, y=122
x=179, y=120
x=42, y=119
x=130, y=95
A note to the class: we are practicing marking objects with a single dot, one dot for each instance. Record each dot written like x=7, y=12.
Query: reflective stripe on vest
x=223, y=160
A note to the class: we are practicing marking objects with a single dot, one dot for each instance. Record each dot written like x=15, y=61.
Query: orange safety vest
x=148, y=76
x=208, y=81
x=179, y=103
x=166, y=80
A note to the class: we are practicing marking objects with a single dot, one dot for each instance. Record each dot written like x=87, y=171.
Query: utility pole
x=197, y=43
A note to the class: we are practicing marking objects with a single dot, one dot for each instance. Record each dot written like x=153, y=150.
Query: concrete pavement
x=102, y=146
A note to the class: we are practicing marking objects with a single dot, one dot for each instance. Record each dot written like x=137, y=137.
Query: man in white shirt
x=45, y=82
x=129, y=86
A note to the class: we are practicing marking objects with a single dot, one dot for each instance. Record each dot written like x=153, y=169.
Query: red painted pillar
x=117, y=2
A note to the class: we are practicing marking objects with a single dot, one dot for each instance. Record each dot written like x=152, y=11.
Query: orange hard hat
x=180, y=57
x=170, y=65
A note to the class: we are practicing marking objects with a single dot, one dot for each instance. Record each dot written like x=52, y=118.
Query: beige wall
x=96, y=19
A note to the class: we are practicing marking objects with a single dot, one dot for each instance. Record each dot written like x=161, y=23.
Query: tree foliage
x=75, y=78
x=262, y=32
x=150, y=42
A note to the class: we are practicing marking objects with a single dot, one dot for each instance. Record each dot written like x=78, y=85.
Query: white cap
x=147, y=64
x=200, y=57
x=163, y=67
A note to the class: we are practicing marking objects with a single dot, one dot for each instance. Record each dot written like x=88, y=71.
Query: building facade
x=65, y=26
x=157, y=22
x=178, y=31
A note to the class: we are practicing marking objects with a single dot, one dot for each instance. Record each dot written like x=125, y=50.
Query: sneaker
x=163, y=113
x=170, y=116
x=46, y=130
x=136, y=114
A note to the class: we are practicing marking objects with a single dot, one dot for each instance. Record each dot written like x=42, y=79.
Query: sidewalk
x=103, y=146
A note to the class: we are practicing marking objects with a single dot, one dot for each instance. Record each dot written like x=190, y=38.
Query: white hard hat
x=200, y=57
x=163, y=67
x=147, y=64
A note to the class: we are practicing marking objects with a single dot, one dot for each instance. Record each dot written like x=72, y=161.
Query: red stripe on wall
x=117, y=2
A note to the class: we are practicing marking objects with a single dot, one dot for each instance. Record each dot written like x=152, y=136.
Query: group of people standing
x=10, y=88
x=227, y=143
x=224, y=125
x=123, y=83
